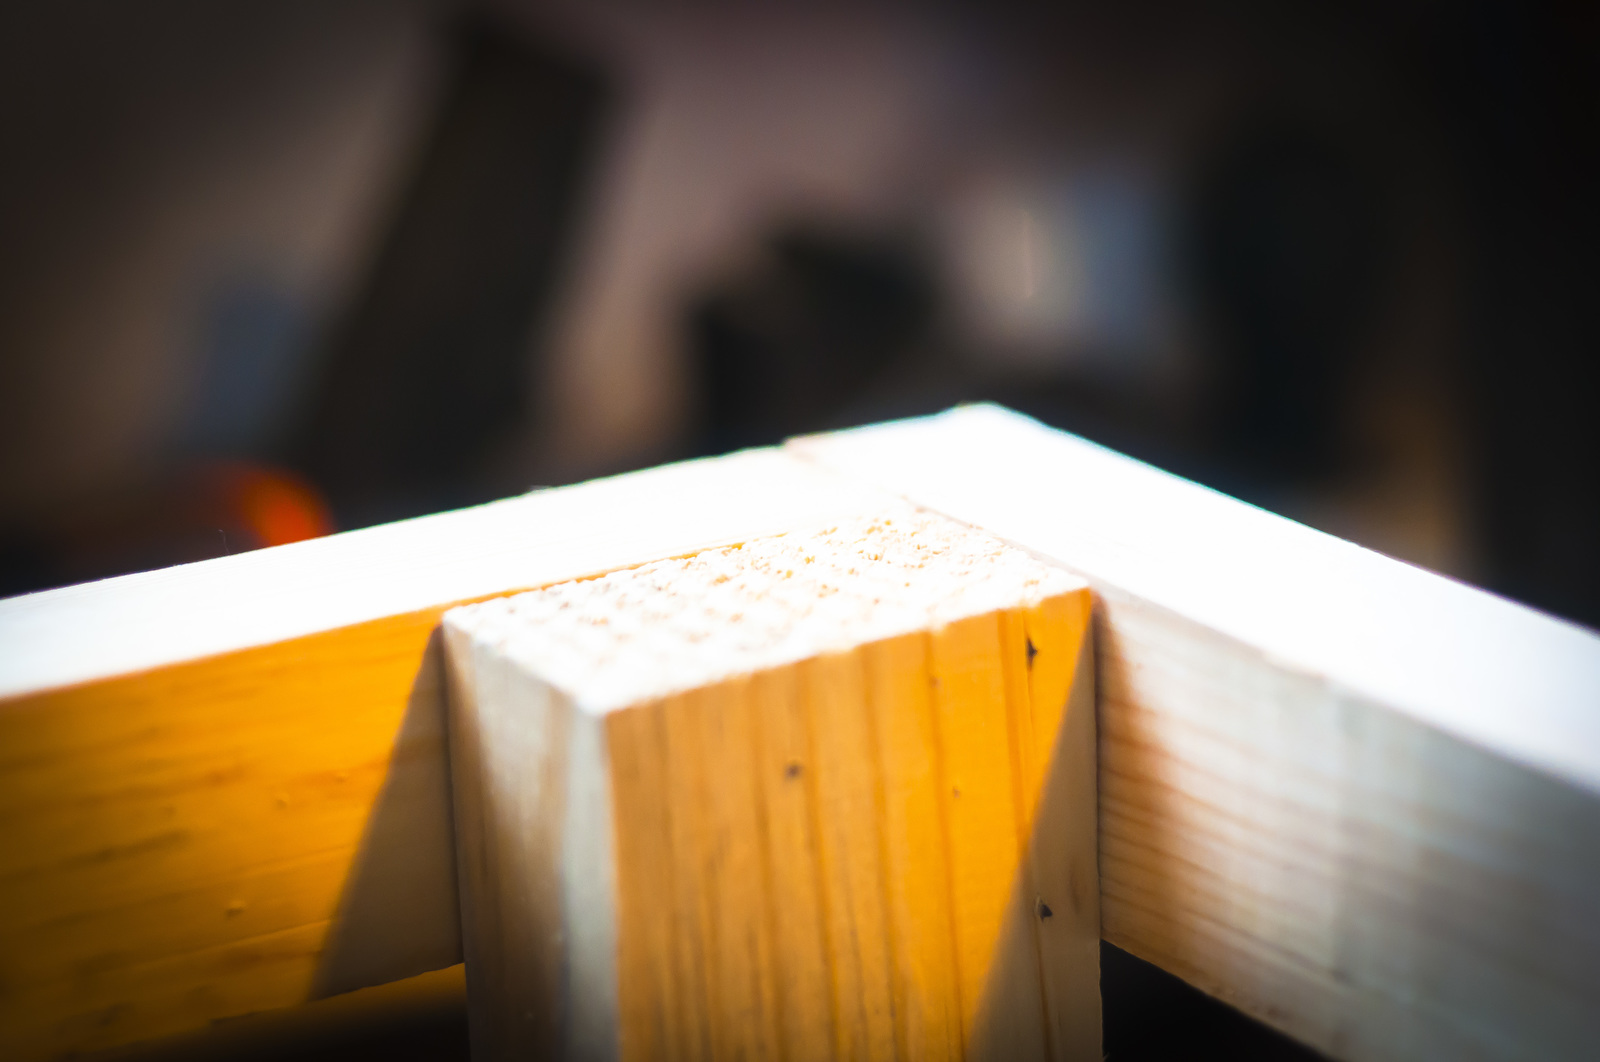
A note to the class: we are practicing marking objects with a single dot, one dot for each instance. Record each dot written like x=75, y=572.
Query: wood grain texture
x=178, y=842
x=825, y=807
x=1357, y=800
x=223, y=787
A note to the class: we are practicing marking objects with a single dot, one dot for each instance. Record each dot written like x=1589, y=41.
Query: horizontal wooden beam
x=223, y=786
x=1355, y=799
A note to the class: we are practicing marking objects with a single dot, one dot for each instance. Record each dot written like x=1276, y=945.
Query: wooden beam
x=1357, y=800
x=223, y=786
x=1353, y=798
x=827, y=795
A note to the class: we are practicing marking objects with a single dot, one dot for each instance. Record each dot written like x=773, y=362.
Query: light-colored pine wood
x=1355, y=799
x=223, y=787
x=808, y=773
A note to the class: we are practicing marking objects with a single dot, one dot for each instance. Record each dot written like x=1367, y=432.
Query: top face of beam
x=134, y=623
x=680, y=624
x=1495, y=674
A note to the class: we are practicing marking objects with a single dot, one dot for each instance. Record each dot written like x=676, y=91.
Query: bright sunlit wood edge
x=138, y=622
x=1506, y=677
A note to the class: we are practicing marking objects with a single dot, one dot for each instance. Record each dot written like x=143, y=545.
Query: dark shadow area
x=1310, y=243
x=431, y=370
x=1149, y=1016
x=829, y=317
x=405, y=397
x=399, y=913
x=1152, y=1016
x=1332, y=259
x=1287, y=239
x=422, y=1018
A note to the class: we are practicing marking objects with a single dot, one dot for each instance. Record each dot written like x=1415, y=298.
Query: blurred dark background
x=269, y=270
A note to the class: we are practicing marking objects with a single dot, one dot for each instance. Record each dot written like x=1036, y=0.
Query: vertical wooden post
x=826, y=795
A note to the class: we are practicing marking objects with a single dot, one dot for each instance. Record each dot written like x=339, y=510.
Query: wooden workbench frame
x=1357, y=800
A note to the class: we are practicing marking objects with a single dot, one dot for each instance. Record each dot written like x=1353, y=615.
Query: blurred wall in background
x=183, y=182
x=272, y=269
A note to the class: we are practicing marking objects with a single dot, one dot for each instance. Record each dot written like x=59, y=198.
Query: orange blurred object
x=271, y=505
x=202, y=511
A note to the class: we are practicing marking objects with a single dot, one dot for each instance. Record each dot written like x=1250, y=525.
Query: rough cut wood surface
x=816, y=796
x=1357, y=800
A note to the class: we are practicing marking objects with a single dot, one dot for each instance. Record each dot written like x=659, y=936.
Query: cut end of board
x=827, y=794
x=680, y=624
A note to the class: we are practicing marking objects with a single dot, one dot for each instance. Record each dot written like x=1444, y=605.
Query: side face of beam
x=1386, y=890
x=1353, y=799
x=220, y=837
x=223, y=787
x=821, y=849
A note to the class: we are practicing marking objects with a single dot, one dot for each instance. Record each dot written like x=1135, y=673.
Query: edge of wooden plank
x=133, y=623
x=1356, y=800
x=1491, y=672
x=235, y=648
